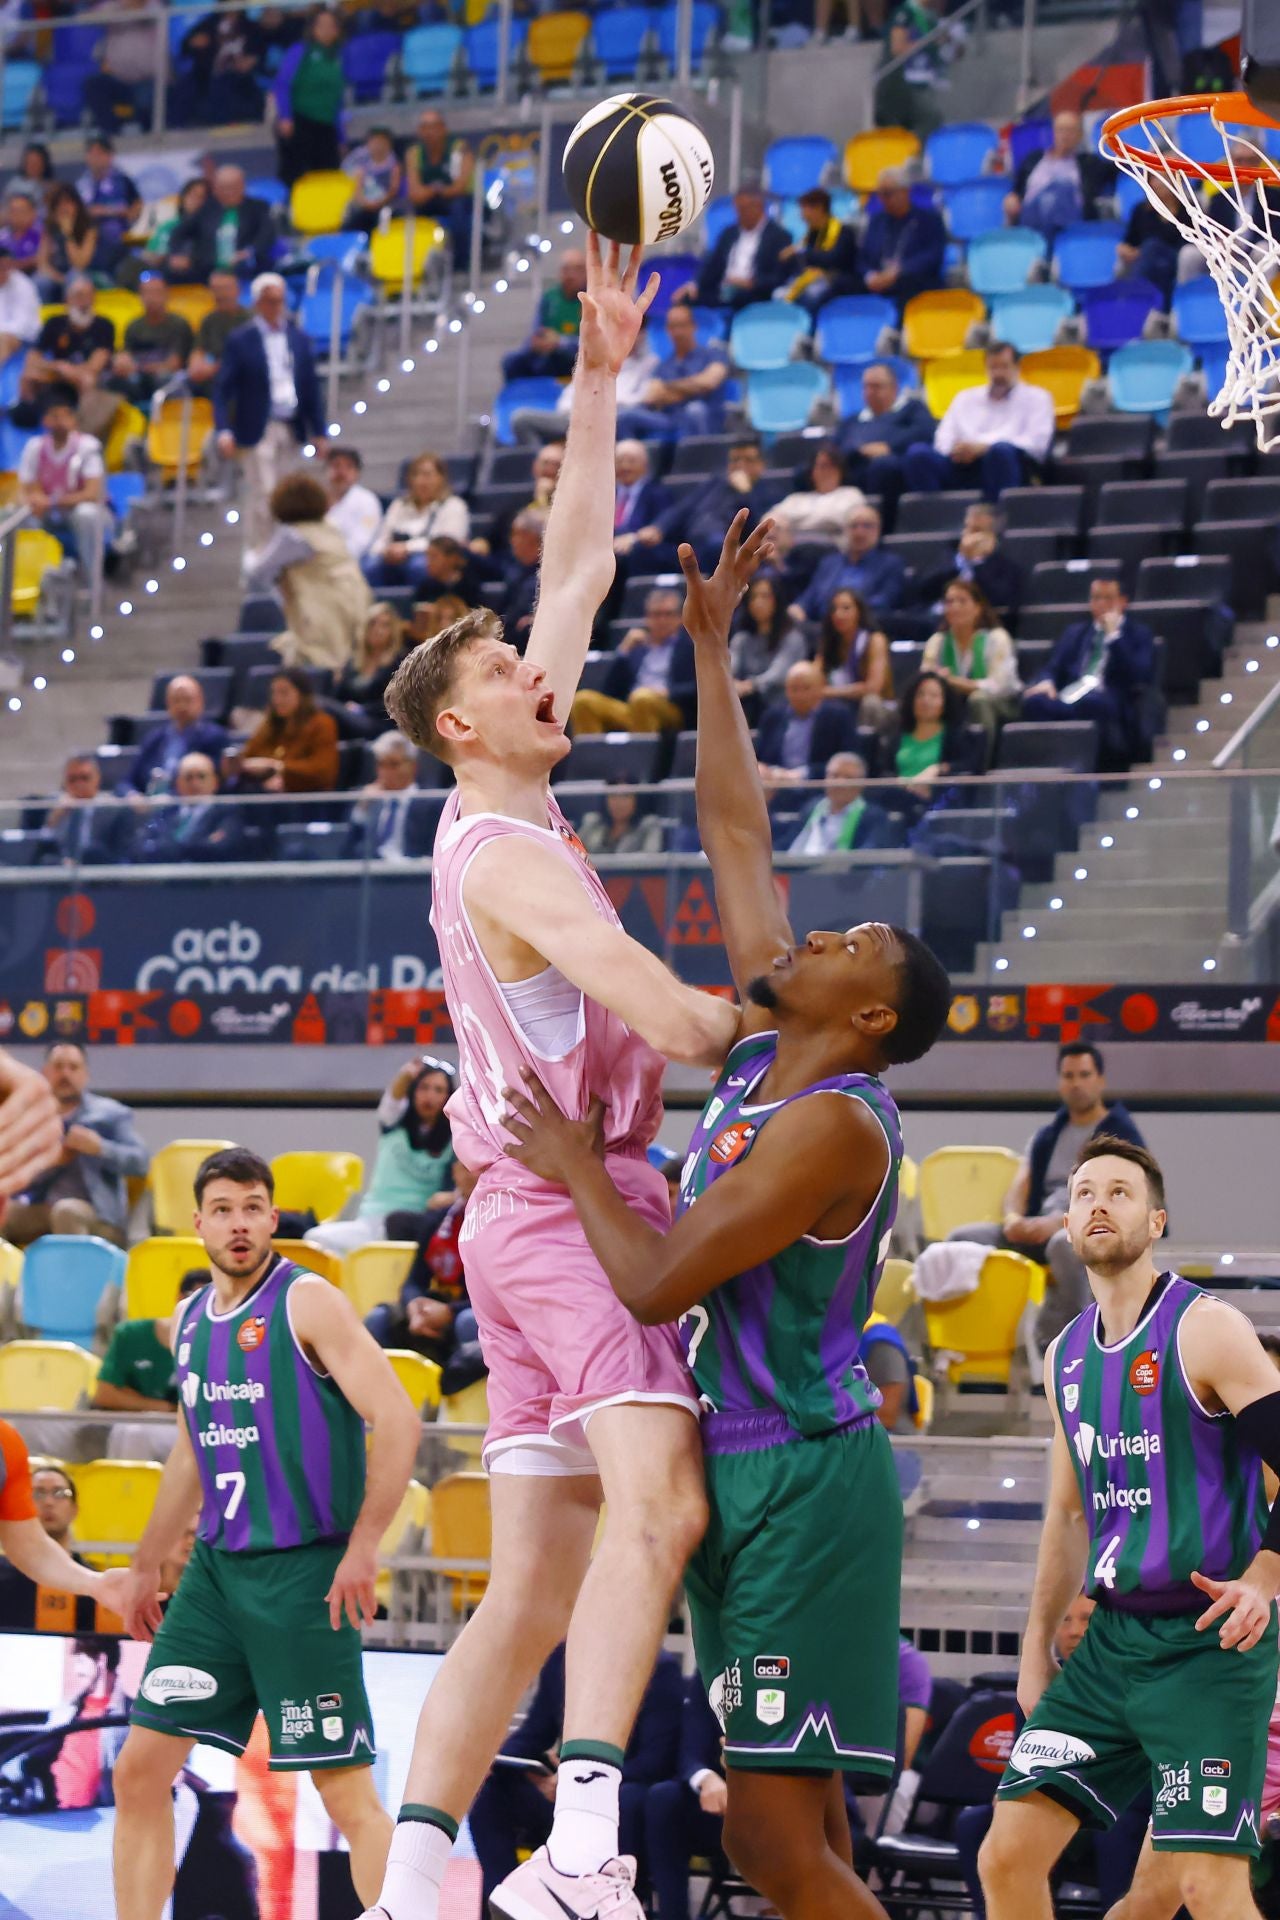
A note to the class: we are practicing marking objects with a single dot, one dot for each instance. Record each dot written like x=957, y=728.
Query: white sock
x=585, y=1830
x=416, y=1862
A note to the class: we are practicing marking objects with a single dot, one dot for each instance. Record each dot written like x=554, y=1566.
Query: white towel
x=949, y=1270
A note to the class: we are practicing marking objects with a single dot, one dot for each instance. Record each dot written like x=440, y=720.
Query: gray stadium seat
x=1070, y=744
x=934, y=512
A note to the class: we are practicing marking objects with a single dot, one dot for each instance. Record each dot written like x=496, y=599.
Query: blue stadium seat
x=365, y=59
x=123, y=489
x=541, y=392
x=78, y=46
x=63, y=88
x=1197, y=136
x=976, y=206
x=63, y=1279
x=267, y=187
x=10, y=376
x=766, y=335
x=787, y=213
x=19, y=849
x=1127, y=195
x=345, y=248
x=1027, y=137
x=618, y=36
x=1144, y=374
x=1029, y=319
x=781, y=399
x=792, y=166
x=1198, y=313
x=1084, y=255
x=427, y=56
x=959, y=152
x=21, y=78
x=848, y=328
x=315, y=315
x=674, y=270
x=1116, y=314
x=1213, y=364
x=481, y=43
x=718, y=215
x=1003, y=260
x=706, y=18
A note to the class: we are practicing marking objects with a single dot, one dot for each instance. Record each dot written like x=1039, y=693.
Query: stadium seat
x=265, y=186
x=704, y=21
x=599, y=756
x=21, y=78
x=1084, y=255
x=554, y=44
x=936, y=324
x=313, y=1259
x=154, y=1272
x=619, y=36
x=792, y=166
x=419, y=1376
x=1069, y=744
x=62, y=86
x=115, y=1499
x=926, y=1400
x=944, y=379
x=850, y=327
x=541, y=392
x=405, y=1532
x=129, y=426
x=975, y=208
x=319, y=201
x=1027, y=137
x=938, y=513
x=1027, y=509
x=481, y=45
x=461, y=1529
x=1004, y=261
x=962, y=1769
x=1064, y=371
x=866, y=155
x=1255, y=499
x=1212, y=358
x=164, y=436
x=389, y=251
x=1029, y=319
x=38, y=1376
x=717, y=216
x=783, y=400
x=373, y=1275
x=469, y=1407
x=959, y=152
x=896, y=1291
x=1247, y=543
x=979, y=1333
x=171, y=1182
x=674, y=270
x=766, y=335
x=119, y=307
x=316, y=314
x=428, y=56
x=317, y=1182
x=35, y=552
x=64, y=1276
x=1154, y=503
x=365, y=59
x=960, y=1185
x=1184, y=576
x=10, y=1264
x=1198, y=314
x=1116, y=314
x=192, y=303
x=1064, y=583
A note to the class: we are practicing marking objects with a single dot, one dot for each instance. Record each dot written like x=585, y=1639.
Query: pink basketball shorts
x=558, y=1342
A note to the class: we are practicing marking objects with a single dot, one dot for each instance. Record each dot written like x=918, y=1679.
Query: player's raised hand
x=546, y=1141
x=352, y=1592
x=709, y=604
x=1247, y=1604
x=612, y=310
x=30, y=1126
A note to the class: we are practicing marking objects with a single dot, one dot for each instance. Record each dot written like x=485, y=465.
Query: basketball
x=638, y=169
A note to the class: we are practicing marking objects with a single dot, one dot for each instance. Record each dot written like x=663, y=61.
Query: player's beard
x=1119, y=1256
x=761, y=994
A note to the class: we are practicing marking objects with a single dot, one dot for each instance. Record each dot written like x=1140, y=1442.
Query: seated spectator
x=854, y=656
x=430, y=617
x=157, y=345
x=764, y=645
x=1099, y=670
x=122, y=89
x=825, y=263
x=361, y=688
x=683, y=398
x=86, y=1190
x=137, y=1374
x=991, y=437
x=391, y=817
x=215, y=329
x=873, y=440
x=746, y=263
x=191, y=197
x=1061, y=183
x=700, y=514
x=354, y=509
x=232, y=230
x=191, y=828
x=450, y=573
x=684, y=1816
x=70, y=243
x=185, y=731
x=532, y=425
x=22, y=230
x=903, y=246
x=433, y=1314
x=109, y=193
x=307, y=561
x=82, y=829
x=651, y=682
x=413, y=1167
x=1152, y=239
x=620, y=827
x=975, y=656
x=885, y=1355
x=798, y=736
x=295, y=747
x=871, y=570
x=26, y=1606
x=820, y=509
x=543, y=475
x=842, y=821
x=638, y=500
x=308, y=91
x=222, y=54
x=978, y=557
x=929, y=746
x=440, y=173
x=375, y=168
x=72, y=349
x=35, y=170
x=520, y=566
x=397, y=555
x=63, y=481
x=552, y=347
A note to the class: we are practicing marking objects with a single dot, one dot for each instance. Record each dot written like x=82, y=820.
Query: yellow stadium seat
x=554, y=43
x=896, y=1291
x=314, y=1259
x=155, y=1271
x=118, y=306
x=461, y=1528
x=908, y=1178
x=944, y=379
x=10, y=487
x=388, y=245
x=129, y=424
x=10, y=1264
x=979, y=1332
x=35, y=553
x=963, y=1184
x=38, y=1376
x=115, y=1498
x=373, y=1275
x=172, y=1182
x=164, y=437
x=469, y=1407
x=410, y=1519
x=192, y=303
x=319, y=1183
x=419, y=1376
x=1064, y=372
x=319, y=201
x=50, y=312
x=867, y=155
x=935, y=325
x=926, y=1396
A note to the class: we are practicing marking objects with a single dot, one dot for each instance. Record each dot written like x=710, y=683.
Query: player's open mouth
x=545, y=711
x=1099, y=1226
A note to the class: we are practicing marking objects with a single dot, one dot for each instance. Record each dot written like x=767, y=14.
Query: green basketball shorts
x=250, y=1631
x=794, y=1595
x=1148, y=1700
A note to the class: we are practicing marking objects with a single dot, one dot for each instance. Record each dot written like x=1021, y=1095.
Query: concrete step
x=1103, y=888
x=1108, y=919
x=1157, y=835
x=1127, y=863
x=1205, y=799
x=1164, y=962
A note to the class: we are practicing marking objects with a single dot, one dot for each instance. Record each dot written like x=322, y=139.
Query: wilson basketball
x=638, y=169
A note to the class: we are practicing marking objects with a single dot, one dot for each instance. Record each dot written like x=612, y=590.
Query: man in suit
x=651, y=686
x=186, y=731
x=232, y=230
x=978, y=557
x=904, y=246
x=393, y=821
x=701, y=514
x=873, y=440
x=266, y=401
x=1099, y=670
x=864, y=564
x=82, y=830
x=1060, y=183
x=746, y=262
x=684, y=1816
x=192, y=827
x=639, y=501
x=843, y=821
x=86, y=1190
x=799, y=736
x=520, y=568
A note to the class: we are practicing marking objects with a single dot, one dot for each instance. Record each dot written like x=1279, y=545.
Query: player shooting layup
x=583, y=1401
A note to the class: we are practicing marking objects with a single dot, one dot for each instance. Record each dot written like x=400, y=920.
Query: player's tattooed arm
x=1062, y=1561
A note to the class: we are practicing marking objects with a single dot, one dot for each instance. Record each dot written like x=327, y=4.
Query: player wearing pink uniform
x=586, y=1404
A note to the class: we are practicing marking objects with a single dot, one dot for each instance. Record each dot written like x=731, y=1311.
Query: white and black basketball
x=637, y=169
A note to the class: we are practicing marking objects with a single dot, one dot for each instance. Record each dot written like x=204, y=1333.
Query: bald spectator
x=192, y=827
x=798, y=737
x=904, y=246
x=747, y=261
x=843, y=820
x=214, y=330
x=992, y=437
x=82, y=828
x=185, y=731
x=552, y=347
x=651, y=682
x=72, y=349
x=86, y=1190
x=870, y=569
x=1059, y=184
x=639, y=501
x=232, y=229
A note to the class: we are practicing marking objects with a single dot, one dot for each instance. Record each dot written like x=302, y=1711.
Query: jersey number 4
x=235, y=1481
x=1104, y=1571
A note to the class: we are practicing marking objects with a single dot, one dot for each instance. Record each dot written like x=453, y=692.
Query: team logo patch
x=1144, y=1372
x=1215, y=1769
x=1040, y=1749
x=1214, y=1800
x=730, y=1144
x=991, y=1743
x=771, y=1703
x=163, y=1685
x=329, y=1702
x=571, y=839
x=251, y=1333
x=1071, y=1396
x=331, y=1726
x=772, y=1666
x=191, y=1389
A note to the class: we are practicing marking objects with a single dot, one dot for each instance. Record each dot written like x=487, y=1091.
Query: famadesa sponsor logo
x=164, y=1685
x=1040, y=1749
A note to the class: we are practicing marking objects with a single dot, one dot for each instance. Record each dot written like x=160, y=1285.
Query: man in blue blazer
x=639, y=500
x=266, y=402
x=746, y=262
x=192, y=828
x=799, y=735
x=651, y=685
x=1105, y=663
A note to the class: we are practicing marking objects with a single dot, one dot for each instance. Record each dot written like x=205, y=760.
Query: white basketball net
x=1243, y=257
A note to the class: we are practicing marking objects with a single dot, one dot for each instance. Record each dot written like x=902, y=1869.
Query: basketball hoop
x=1244, y=257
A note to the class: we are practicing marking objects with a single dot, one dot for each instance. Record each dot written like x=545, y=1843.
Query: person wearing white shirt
x=19, y=308
x=355, y=510
x=534, y=425
x=994, y=437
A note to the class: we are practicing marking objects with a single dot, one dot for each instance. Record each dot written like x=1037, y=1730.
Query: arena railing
x=1255, y=831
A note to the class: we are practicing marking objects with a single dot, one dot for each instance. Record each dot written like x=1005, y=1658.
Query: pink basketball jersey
x=607, y=1058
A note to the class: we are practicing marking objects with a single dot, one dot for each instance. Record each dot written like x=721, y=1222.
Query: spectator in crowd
x=86, y=1191
x=909, y=89
x=764, y=645
x=221, y=57
x=684, y=1816
x=843, y=820
x=440, y=169
x=354, y=509
x=35, y=170
x=22, y=229
x=994, y=437
x=532, y=425
x=185, y=731
x=520, y=566
x=430, y=617
x=824, y=264
x=308, y=563
x=639, y=501
x=433, y=1314
x=108, y=192
x=887, y=1358
x=225, y=316
x=746, y=263
x=191, y=828
x=361, y=688
x=192, y=195
x=820, y=509
x=63, y=481
x=266, y=400
x=552, y=347
x=1034, y=1206
x=412, y=1170
x=232, y=229
x=70, y=243
x=620, y=826
x=428, y=507
x=975, y=656
x=700, y=515
x=1099, y=671
x=1152, y=239
x=929, y=744
x=683, y=398
x=543, y=474
x=450, y=572
x=650, y=686
x=978, y=557
x=874, y=440
x=392, y=819
x=25, y=1605
x=137, y=1374
x=798, y=736
x=124, y=86
x=855, y=659
x=308, y=92
x=903, y=246
x=82, y=829
x=870, y=569
x=1059, y=184
x=294, y=749
x=379, y=178
x=72, y=349
x=157, y=344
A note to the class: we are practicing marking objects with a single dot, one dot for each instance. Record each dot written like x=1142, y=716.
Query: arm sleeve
x=122, y=1147
x=949, y=430
x=284, y=549
x=1002, y=666
x=16, y=1500
x=113, y=1369
x=391, y=1111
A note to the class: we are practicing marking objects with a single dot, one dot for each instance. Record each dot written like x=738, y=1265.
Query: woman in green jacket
x=308, y=93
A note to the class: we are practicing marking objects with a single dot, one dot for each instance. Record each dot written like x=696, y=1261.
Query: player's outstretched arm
x=1061, y=1562
x=577, y=553
x=177, y=1498
x=30, y=1126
